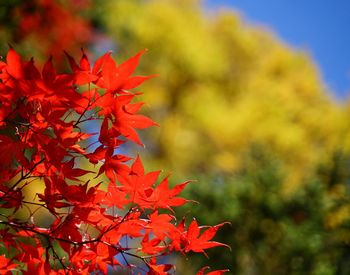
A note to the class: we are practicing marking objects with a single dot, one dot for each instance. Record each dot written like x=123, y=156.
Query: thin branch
x=22, y=178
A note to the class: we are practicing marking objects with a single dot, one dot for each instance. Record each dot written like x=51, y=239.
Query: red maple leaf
x=163, y=197
x=160, y=224
x=116, y=78
x=6, y=265
x=198, y=243
x=158, y=269
x=123, y=116
x=138, y=185
x=215, y=272
x=113, y=197
x=151, y=246
x=82, y=72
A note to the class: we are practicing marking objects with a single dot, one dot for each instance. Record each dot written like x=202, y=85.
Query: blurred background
x=243, y=109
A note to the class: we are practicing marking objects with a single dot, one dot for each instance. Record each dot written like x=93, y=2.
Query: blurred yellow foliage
x=224, y=86
x=337, y=217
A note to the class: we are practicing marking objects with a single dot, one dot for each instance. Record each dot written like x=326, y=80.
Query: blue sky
x=320, y=27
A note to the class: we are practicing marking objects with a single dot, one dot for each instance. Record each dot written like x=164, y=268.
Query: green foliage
x=273, y=233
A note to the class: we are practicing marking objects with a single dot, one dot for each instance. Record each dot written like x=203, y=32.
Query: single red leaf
x=49, y=72
x=129, y=66
x=216, y=272
x=160, y=225
x=197, y=243
x=163, y=197
x=158, y=269
x=14, y=64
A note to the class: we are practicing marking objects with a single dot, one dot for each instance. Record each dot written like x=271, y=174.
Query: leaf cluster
x=42, y=117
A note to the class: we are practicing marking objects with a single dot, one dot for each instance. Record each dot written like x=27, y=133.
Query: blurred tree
x=45, y=27
x=303, y=233
x=251, y=118
x=224, y=86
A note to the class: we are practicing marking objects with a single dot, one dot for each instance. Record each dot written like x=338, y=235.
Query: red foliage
x=41, y=121
x=56, y=24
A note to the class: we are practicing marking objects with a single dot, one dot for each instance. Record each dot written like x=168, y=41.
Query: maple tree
x=42, y=137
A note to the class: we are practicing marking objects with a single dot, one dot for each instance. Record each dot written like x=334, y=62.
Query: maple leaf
x=8, y=239
x=82, y=72
x=198, y=243
x=113, y=197
x=158, y=269
x=132, y=226
x=11, y=198
x=81, y=257
x=53, y=88
x=104, y=256
x=163, y=197
x=123, y=116
x=106, y=138
x=7, y=98
x=6, y=265
x=160, y=224
x=151, y=246
x=11, y=150
x=177, y=237
x=117, y=78
x=52, y=200
x=36, y=264
x=14, y=64
x=97, y=155
x=49, y=73
x=73, y=173
x=67, y=229
x=114, y=167
x=137, y=184
x=215, y=272
x=87, y=101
